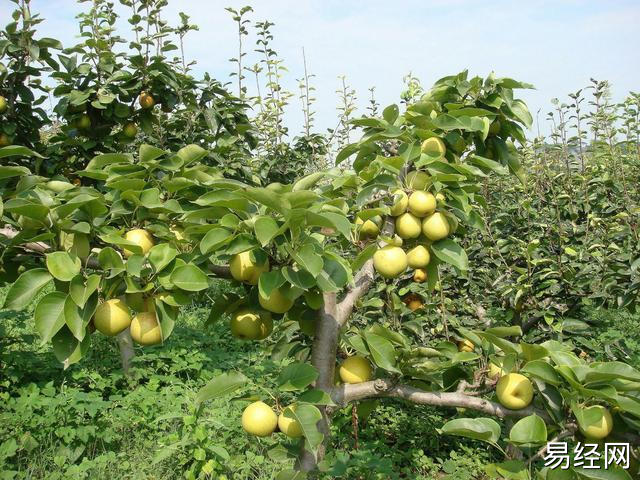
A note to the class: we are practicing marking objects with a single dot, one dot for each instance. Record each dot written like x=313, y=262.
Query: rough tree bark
x=127, y=353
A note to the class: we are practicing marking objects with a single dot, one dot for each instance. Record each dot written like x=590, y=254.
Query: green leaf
x=269, y=281
x=190, y=278
x=26, y=288
x=382, y=351
x=305, y=183
x=485, y=429
x=16, y=150
x=266, y=228
x=216, y=237
x=149, y=153
x=316, y=397
x=77, y=318
x=49, y=315
x=67, y=348
x=268, y=198
x=308, y=416
x=542, y=370
x=8, y=172
x=109, y=259
x=604, y=371
x=100, y=161
x=191, y=154
x=450, y=252
x=296, y=376
x=390, y=113
x=291, y=475
x=529, y=431
x=161, y=255
x=63, y=266
x=80, y=291
x=308, y=258
x=220, y=386
x=610, y=473
x=299, y=278
x=333, y=220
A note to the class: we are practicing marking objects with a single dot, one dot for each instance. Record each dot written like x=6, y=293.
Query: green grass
x=92, y=422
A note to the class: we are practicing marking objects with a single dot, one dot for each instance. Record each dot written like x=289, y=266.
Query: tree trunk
x=125, y=344
x=323, y=358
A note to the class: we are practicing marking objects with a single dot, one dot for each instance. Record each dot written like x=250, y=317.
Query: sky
x=556, y=45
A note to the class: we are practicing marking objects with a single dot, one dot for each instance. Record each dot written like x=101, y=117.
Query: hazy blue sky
x=557, y=45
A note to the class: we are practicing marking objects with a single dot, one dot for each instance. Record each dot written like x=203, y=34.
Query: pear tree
x=312, y=259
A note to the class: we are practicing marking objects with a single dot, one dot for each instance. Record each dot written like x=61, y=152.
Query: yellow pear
x=130, y=130
x=140, y=237
x=436, y=226
x=112, y=317
x=434, y=147
x=417, y=180
x=5, y=141
x=420, y=275
x=514, y=391
x=259, y=419
x=3, y=104
x=418, y=257
x=266, y=327
x=390, y=261
x=466, y=346
x=369, y=228
x=276, y=302
x=599, y=423
x=146, y=100
x=247, y=324
x=356, y=369
x=422, y=203
x=244, y=269
x=289, y=426
x=145, y=329
x=400, y=204
x=408, y=226
x=413, y=302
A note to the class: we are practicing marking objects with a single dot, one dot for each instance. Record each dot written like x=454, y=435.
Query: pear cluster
x=132, y=311
x=261, y=420
x=419, y=221
x=253, y=322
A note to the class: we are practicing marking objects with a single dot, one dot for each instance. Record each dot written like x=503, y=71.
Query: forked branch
x=362, y=283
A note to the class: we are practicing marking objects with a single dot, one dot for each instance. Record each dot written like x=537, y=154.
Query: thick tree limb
x=220, y=271
x=325, y=345
x=386, y=388
x=127, y=353
x=362, y=282
x=323, y=358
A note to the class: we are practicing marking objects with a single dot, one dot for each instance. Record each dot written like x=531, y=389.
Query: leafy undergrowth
x=91, y=422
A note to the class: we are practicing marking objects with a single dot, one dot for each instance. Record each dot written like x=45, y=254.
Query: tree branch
x=386, y=388
x=362, y=282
